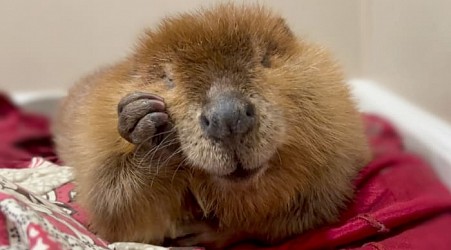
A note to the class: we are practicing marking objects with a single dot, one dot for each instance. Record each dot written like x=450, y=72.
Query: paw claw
x=159, y=118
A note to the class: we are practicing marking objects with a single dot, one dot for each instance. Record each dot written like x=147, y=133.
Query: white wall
x=407, y=48
x=51, y=43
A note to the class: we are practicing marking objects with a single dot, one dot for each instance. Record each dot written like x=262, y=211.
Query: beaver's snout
x=228, y=115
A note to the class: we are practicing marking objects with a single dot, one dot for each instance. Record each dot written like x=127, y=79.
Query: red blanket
x=400, y=203
x=22, y=136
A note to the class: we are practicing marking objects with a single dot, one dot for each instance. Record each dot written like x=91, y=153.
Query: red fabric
x=400, y=203
x=22, y=136
x=31, y=222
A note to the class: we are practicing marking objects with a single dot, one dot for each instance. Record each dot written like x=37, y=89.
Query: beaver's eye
x=168, y=81
x=266, y=60
x=253, y=95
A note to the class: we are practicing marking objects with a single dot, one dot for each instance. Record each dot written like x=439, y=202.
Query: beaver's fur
x=309, y=142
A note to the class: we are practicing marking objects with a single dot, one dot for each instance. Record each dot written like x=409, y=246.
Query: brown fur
x=309, y=142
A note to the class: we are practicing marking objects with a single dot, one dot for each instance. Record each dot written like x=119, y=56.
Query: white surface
x=42, y=102
x=423, y=133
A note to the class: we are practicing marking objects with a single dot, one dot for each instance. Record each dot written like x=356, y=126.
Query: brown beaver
x=221, y=126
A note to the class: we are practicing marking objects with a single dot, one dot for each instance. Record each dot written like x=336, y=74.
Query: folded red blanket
x=22, y=136
x=400, y=203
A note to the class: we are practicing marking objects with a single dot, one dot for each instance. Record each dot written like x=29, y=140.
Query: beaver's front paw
x=142, y=117
x=201, y=234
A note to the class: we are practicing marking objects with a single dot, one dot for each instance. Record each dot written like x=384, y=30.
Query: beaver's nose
x=227, y=115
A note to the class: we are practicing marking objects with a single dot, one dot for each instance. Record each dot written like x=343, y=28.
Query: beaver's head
x=228, y=76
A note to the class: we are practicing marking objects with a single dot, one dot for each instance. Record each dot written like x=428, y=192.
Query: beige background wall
x=407, y=47
x=50, y=43
x=404, y=45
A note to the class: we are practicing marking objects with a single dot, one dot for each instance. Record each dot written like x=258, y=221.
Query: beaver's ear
x=281, y=24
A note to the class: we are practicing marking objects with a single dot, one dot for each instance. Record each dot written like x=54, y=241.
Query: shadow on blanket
x=400, y=203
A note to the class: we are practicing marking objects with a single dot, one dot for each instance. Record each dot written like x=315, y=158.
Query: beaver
x=221, y=125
